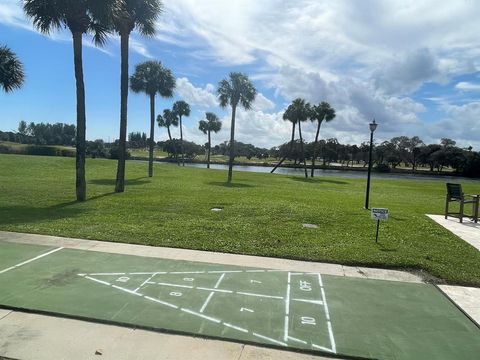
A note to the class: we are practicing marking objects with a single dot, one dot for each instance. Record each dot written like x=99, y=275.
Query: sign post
x=379, y=214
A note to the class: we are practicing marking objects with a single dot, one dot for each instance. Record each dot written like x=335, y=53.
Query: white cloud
x=11, y=13
x=203, y=97
x=139, y=47
x=465, y=85
x=262, y=103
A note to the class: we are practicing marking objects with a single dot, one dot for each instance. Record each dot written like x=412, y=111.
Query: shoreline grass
x=262, y=214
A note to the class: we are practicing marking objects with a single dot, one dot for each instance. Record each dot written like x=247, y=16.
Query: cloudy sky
x=414, y=66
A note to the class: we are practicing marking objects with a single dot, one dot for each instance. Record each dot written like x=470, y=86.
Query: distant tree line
x=400, y=151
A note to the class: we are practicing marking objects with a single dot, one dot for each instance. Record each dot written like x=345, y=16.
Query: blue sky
x=413, y=66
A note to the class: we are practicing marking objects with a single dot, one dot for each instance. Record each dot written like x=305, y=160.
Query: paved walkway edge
x=468, y=230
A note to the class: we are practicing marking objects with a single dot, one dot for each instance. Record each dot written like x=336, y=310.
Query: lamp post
x=373, y=125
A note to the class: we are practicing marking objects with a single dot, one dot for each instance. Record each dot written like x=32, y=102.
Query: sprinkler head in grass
x=310, y=226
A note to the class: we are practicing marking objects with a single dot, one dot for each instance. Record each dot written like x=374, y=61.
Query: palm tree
x=151, y=77
x=139, y=15
x=292, y=141
x=80, y=17
x=181, y=108
x=298, y=111
x=212, y=123
x=168, y=119
x=11, y=70
x=320, y=112
x=237, y=89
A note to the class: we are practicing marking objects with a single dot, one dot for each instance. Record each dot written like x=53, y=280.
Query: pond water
x=333, y=173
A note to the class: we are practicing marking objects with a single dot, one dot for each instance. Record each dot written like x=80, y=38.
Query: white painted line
x=235, y=327
x=219, y=281
x=287, y=309
x=211, y=293
x=273, y=270
x=7, y=269
x=145, y=282
x=98, y=281
x=332, y=340
x=316, y=302
x=327, y=314
x=175, y=285
x=259, y=271
x=320, y=281
x=161, y=302
x=270, y=339
x=259, y=295
x=126, y=290
x=146, y=273
x=187, y=272
x=297, y=340
x=206, y=302
x=30, y=260
x=201, y=315
x=98, y=274
x=224, y=271
x=217, y=290
x=322, y=348
x=81, y=274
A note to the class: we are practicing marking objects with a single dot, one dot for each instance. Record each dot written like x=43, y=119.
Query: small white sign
x=379, y=213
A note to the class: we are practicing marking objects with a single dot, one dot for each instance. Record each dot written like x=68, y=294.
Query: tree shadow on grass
x=24, y=214
x=128, y=182
x=230, y=185
x=317, y=180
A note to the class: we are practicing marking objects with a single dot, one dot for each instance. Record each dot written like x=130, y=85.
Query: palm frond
x=181, y=108
x=12, y=75
x=45, y=14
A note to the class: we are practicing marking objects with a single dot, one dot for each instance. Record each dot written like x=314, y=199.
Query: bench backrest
x=454, y=191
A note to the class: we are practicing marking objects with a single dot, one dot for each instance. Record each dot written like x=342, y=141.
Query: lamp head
x=373, y=126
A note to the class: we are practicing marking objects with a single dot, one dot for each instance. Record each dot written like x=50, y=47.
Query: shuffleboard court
x=347, y=317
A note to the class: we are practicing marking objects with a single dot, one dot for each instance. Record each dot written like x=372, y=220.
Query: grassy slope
x=263, y=214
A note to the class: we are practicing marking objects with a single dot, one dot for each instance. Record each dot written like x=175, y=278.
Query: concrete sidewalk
x=468, y=230
x=31, y=336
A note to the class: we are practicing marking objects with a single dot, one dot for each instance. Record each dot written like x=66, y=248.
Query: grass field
x=263, y=214
x=144, y=152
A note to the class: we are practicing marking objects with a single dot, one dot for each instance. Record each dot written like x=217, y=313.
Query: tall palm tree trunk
x=209, y=147
x=303, y=150
x=80, y=183
x=122, y=146
x=181, y=141
x=232, y=146
x=289, y=150
x=173, y=144
x=315, y=147
x=152, y=135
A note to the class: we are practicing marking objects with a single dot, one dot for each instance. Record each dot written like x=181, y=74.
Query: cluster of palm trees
x=299, y=111
x=173, y=117
x=121, y=17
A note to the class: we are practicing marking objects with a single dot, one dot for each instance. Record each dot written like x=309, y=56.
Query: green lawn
x=144, y=152
x=263, y=214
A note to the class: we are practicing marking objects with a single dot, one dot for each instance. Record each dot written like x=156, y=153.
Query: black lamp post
x=373, y=125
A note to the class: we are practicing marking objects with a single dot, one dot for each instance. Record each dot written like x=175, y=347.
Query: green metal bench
x=455, y=194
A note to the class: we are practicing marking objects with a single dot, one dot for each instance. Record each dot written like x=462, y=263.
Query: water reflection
x=333, y=173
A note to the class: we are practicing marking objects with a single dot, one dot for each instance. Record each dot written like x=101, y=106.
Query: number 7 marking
x=245, y=309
